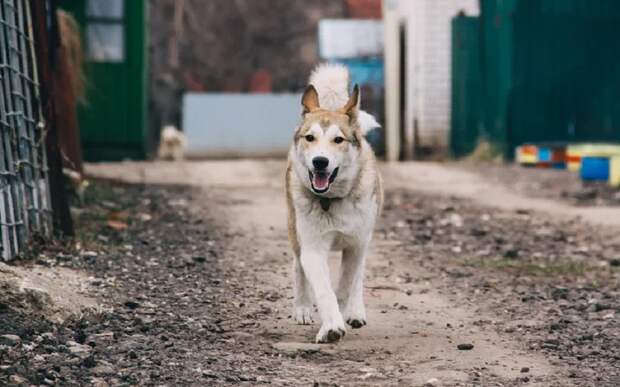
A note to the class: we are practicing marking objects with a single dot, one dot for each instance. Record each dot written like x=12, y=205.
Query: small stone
x=17, y=380
x=99, y=382
x=432, y=382
x=99, y=338
x=89, y=254
x=209, y=374
x=525, y=369
x=456, y=220
x=559, y=293
x=79, y=350
x=132, y=304
x=465, y=347
x=103, y=369
x=10, y=340
x=199, y=258
x=511, y=253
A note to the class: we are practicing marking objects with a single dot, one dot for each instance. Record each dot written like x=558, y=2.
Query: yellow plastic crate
x=614, y=171
x=574, y=153
x=527, y=154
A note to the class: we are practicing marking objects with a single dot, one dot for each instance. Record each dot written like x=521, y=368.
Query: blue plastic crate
x=544, y=155
x=595, y=168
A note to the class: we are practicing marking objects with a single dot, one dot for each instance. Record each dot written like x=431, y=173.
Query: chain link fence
x=25, y=210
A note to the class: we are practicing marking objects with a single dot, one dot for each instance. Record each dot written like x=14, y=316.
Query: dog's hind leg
x=314, y=263
x=302, y=308
x=351, y=285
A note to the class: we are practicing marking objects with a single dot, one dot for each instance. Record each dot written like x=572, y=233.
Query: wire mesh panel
x=24, y=195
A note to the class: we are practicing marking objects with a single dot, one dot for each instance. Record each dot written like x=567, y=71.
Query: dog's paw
x=331, y=332
x=356, y=319
x=356, y=323
x=303, y=315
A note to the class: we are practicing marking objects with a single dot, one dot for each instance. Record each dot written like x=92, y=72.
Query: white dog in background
x=171, y=144
x=334, y=195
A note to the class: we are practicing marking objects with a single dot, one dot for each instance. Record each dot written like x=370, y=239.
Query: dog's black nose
x=320, y=162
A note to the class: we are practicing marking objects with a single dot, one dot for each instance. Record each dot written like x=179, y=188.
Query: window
x=112, y=9
x=106, y=42
x=105, y=32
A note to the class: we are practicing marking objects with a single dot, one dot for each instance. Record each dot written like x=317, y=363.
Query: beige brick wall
x=428, y=61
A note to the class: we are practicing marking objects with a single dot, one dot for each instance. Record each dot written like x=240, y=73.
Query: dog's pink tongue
x=320, y=180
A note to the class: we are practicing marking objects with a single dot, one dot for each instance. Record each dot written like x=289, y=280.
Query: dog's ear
x=352, y=106
x=310, y=100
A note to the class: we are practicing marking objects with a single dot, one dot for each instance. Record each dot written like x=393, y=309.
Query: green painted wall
x=113, y=122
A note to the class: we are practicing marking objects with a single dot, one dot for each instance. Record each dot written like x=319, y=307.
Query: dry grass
x=485, y=151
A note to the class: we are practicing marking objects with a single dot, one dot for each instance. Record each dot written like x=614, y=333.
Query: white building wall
x=428, y=73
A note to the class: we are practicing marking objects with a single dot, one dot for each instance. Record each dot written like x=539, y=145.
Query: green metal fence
x=467, y=124
x=24, y=194
x=549, y=73
x=566, y=77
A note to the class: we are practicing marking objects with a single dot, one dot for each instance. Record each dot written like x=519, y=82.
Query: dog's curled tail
x=332, y=82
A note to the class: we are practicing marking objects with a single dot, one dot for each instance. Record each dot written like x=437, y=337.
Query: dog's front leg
x=314, y=263
x=351, y=284
x=302, y=308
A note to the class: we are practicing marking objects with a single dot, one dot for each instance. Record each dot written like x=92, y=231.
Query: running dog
x=334, y=195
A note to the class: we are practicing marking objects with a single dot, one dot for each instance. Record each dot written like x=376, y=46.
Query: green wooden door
x=113, y=120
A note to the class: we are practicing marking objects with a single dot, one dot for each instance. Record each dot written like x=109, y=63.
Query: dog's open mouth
x=321, y=180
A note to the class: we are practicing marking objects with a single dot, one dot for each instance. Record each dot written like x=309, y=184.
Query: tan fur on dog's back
x=292, y=229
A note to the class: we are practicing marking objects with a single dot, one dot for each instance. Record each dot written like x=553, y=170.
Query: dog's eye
x=338, y=140
x=309, y=138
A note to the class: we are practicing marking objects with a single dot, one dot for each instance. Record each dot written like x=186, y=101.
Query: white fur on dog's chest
x=344, y=222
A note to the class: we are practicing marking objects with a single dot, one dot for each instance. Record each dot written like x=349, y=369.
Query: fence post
x=46, y=46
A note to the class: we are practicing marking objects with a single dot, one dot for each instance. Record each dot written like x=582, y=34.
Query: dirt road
x=205, y=298
x=415, y=326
